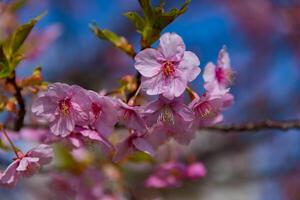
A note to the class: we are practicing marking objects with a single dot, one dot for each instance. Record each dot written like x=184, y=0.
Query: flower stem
x=13, y=146
x=192, y=93
x=132, y=99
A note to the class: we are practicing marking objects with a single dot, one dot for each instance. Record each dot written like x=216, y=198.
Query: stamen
x=168, y=68
x=96, y=109
x=65, y=106
x=166, y=116
x=205, y=110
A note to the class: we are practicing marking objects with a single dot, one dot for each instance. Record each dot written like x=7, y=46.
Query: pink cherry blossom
x=26, y=164
x=218, y=78
x=130, y=116
x=207, y=110
x=195, y=171
x=134, y=142
x=169, y=118
x=62, y=106
x=84, y=135
x=168, y=69
x=103, y=113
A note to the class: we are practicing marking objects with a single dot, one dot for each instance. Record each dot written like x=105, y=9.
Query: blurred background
x=263, y=39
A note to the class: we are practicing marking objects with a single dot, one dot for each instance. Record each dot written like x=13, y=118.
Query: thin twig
x=283, y=125
x=21, y=102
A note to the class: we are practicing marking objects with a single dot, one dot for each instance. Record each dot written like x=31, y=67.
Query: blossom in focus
x=62, y=106
x=169, y=118
x=26, y=164
x=218, y=77
x=130, y=116
x=134, y=142
x=168, y=69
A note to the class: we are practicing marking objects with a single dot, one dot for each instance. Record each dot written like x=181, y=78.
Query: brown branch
x=21, y=102
x=283, y=125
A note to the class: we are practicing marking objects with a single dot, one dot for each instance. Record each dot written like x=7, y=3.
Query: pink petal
x=189, y=65
x=43, y=152
x=175, y=87
x=196, y=170
x=223, y=58
x=62, y=126
x=228, y=100
x=44, y=107
x=209, y=72
x=154, y=85
x=146, y=62
x=171, y=46
x=25, y=163
x=10, y=176
x=142, y=145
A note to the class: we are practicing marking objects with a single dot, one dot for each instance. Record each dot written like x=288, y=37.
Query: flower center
x=65, y=106
x=96, y=109
x=205, y=110
x=166, y=116
x=224, y=76
x=168, y=68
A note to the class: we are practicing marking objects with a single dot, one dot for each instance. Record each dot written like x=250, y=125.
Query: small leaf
x=118, y=41
x=16, y=5
x=14, y=42
x=154, y=21
x=5, y=69
x=136, y=19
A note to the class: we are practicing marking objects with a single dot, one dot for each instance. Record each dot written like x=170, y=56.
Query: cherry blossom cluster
x=78, y=115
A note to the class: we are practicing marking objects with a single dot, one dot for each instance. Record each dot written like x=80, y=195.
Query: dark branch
x=256, y=126
x=21, y=102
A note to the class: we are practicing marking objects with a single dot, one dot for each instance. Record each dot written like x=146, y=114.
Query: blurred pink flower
x=62, y=106
x=39, y=135
x=103, y=114
x=218, y=78
x=39, y=41
x=91, y=184
x=195, y=171
x=167, y=175
x=26, y=164
x=134, y=142
x=173, y=173
x=168, y=69
x=81, y=136
x=130, y=116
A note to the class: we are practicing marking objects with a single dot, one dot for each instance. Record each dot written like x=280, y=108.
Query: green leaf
x=136, y=19
x=154, y=21
x=16, y=5
x=5, y=70
x=15, y=41
x=118, y=41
